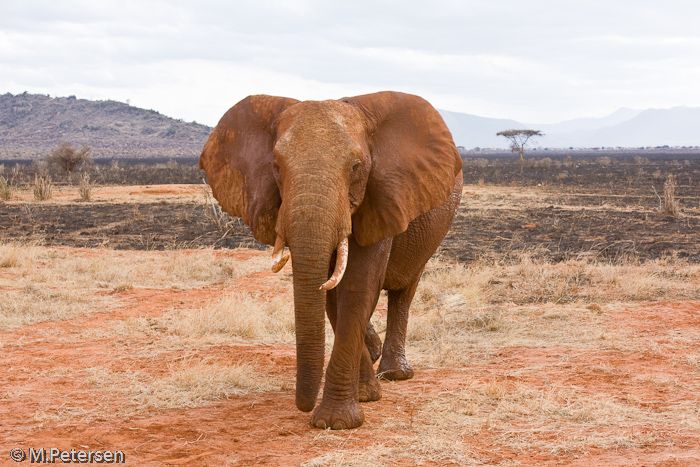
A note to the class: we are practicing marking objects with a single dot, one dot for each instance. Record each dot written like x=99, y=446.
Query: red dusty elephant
x=361, y=189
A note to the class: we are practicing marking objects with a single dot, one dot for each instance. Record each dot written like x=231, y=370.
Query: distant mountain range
x=31, y=125
x=679, y=126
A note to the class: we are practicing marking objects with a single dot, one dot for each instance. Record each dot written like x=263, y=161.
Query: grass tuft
x=241, y=315
x=190, y=384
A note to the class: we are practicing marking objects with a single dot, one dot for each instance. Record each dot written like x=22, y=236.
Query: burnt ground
x=557, y=207
x=126, y=226
x=560, y=229
x=555, y=231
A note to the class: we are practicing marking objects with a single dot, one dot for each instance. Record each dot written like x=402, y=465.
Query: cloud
x=544, y=60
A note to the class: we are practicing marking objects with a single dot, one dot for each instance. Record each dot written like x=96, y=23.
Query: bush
x=66, y=158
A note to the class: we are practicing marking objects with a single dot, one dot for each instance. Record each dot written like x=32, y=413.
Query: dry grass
x=16, y=255
x=43, y=284
x=517, y=418
x=185, y=385
x=43, y=188
x=532, y=280
x=118, y=269
x=670, y=205
x=215, y=215
x=233, y=316
x=5, y=189
x=531, y=303
x=189, y=384
x=461, y=317
x=33, y=304
x=85, y=187
x=523, y=414
x=237, y=315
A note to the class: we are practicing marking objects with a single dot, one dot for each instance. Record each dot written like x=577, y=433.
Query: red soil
x=43, y=371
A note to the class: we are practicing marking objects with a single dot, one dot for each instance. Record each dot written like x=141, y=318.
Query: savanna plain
x=558, y=324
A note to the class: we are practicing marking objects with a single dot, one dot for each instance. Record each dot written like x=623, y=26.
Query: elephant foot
x=397, y=370
x=373, y=343
x=338, y=417
x=370, y=390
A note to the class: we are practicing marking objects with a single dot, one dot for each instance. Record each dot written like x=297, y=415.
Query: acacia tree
x=518, y=139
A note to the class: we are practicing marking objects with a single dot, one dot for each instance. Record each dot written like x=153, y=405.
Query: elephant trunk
x=309, y=316
x=314, y=227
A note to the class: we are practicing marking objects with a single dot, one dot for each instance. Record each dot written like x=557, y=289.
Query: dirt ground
x=648, y=363
x=47, y=400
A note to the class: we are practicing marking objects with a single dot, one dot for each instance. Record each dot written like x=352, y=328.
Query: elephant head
x=309, y=174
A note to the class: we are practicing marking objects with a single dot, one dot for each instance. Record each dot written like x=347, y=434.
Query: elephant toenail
x=339, y=425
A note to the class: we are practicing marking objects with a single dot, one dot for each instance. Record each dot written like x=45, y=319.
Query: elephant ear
x=414, y=163
x=237, y=159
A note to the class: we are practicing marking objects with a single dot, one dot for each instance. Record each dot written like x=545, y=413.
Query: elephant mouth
x=280, y=258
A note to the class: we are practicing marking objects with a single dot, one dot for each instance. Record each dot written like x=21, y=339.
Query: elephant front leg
x=369, y=388
x=340, y=408
x=350, y=376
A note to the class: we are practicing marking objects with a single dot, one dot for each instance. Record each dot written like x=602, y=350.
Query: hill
x=31, y=125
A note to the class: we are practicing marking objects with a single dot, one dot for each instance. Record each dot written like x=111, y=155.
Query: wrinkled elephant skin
x=362, y=190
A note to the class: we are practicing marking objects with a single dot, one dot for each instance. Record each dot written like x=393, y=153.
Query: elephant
x=362, y=189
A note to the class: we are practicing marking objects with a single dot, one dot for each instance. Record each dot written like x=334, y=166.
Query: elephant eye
x=276, y=171
x=356, y=166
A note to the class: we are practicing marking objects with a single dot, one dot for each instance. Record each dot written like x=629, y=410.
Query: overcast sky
x=540, y=61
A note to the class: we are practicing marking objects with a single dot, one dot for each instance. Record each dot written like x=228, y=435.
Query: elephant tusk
x=340, y=265
x=279, y=257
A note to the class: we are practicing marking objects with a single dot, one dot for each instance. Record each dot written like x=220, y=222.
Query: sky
x=540, y=61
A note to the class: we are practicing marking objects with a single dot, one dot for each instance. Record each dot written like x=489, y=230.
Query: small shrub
x=604, y=161
x=545, y=163
x=43, y=188
x=218, y=218
x=481, y=163
x=85, y=187
x=669, y=204
x=5, y=189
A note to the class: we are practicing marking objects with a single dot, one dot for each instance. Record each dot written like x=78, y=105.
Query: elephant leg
x=411, y=250
x=350, y=375
x=369, y=388
x=373, y=342
x=393, y=365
